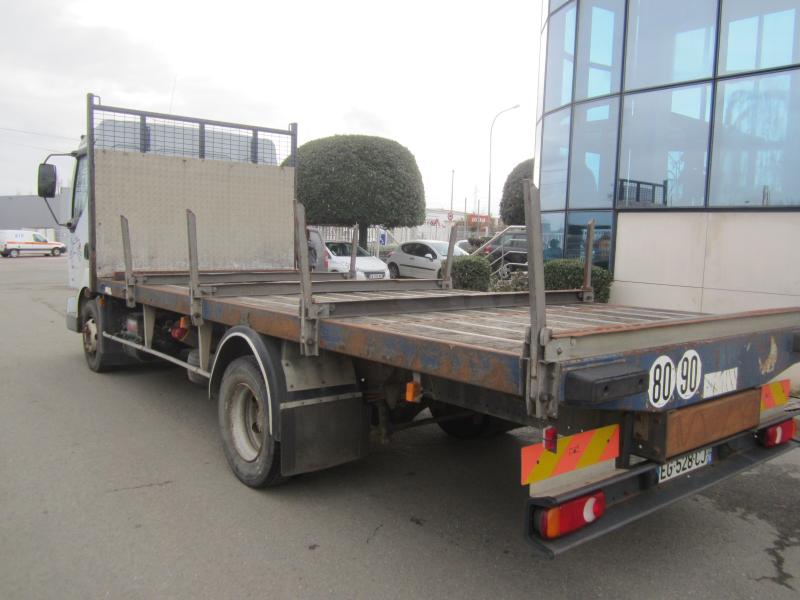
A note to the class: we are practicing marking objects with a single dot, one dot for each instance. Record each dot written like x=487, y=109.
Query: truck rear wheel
x=251, y=450
x=471, y=426
x=13, y=253
x=94, y=344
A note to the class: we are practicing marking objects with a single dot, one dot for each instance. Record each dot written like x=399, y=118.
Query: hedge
x=470, y=273
x=560, y=274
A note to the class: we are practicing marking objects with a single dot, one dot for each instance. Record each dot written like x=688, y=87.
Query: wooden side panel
x=704, y=423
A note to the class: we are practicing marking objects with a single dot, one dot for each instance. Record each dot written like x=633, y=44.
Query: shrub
x=512, y=207
x=470, y=273
x=359, y=179
x=567, y=274
x=560, y=274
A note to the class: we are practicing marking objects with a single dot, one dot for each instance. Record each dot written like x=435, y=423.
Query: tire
x=94, y=344
x=56, y=252
x=470, y=427
x=13, y=253
x=394, y=271
x=243, y=409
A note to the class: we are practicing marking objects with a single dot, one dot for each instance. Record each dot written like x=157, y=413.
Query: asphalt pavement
x=115, y=486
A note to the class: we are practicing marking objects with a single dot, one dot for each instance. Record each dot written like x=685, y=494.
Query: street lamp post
x=491, y=130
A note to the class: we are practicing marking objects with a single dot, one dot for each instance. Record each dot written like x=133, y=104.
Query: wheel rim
x=56, y=251
x=14, y=253
x=90, y=337
x=247, y=423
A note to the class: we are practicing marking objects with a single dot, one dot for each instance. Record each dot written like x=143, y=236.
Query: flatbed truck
x=187, y=244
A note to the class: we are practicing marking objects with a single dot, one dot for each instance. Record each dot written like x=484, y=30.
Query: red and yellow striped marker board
x=774, y=394
x=572, y=452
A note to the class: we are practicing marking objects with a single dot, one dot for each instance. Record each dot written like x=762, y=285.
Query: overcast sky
x=430, y=75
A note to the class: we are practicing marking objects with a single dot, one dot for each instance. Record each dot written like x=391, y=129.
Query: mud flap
x=324, y=420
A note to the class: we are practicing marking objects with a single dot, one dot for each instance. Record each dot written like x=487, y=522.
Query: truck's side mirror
x=47, y=180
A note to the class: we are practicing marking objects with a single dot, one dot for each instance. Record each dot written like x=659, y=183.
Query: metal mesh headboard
x=115, y=128
x=151, y=167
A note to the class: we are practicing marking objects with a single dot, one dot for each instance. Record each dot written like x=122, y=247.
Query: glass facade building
x=648, y=105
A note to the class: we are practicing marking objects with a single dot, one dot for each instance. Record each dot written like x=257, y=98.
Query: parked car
x=420, y=258
x=20, y=242
x=465, y=245
x=367, y=266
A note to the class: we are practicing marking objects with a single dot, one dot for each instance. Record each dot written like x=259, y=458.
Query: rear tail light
x=777, y=434
x=487, y=249
x=391, y=254
x=560, y=520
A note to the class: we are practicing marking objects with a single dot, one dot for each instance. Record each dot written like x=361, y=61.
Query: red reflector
x=179, y=333
x=550, y=439
x=777, y=434
x=570, y=516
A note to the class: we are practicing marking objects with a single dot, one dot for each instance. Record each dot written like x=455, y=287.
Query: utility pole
x=452, y=180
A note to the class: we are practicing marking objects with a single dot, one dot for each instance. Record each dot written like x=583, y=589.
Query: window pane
x=560, y=57
x=80, y=196
x=669, y=41
x=594, y=154
x=554, y=4
x=758, y=35
x=554, y=152
x=542, y=66
x=756, y=149
x=577, y=224
x=553, y=235
x=537, y=156
x=599, y=48
x=664, y=148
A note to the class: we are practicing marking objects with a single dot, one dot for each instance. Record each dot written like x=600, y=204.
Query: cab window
x=38, y=238
x=80, y=197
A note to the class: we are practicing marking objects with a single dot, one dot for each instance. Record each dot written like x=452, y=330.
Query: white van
x=20, y=242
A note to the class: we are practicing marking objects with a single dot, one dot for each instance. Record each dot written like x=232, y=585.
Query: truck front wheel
x=94, y=344
x=251, y=450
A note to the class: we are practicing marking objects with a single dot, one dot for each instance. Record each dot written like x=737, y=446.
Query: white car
x=367, y=266
x=420, y=258
x=22, y=242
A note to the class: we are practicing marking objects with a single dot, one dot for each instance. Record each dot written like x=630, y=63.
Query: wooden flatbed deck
x=481, y=346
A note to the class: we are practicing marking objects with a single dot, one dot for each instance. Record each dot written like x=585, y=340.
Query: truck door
x=78, y=246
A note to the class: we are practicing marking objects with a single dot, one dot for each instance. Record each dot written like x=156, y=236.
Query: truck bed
x=470, y=337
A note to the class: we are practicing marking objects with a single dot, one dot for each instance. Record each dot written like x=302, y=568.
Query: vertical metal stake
x=353, y=253
x=537, y=331
x=194, y=270
x=447, y=280
x=588, y=292
x=130, y=298
x=309, y=323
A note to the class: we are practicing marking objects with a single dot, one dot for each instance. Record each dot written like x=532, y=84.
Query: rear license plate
x=375, y=275
x=684, y=464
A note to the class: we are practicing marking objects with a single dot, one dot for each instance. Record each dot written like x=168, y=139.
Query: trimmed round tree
x=512, y=209
x=359, y=179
